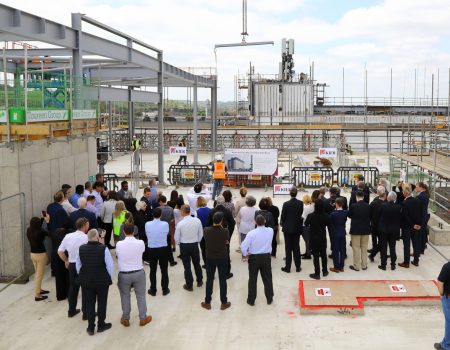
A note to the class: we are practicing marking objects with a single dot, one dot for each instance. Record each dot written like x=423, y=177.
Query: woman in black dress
x=61, y=272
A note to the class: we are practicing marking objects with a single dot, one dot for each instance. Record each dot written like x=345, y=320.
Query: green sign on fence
x=44, y=115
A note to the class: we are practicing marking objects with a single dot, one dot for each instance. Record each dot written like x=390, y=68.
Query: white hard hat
x=218, y=157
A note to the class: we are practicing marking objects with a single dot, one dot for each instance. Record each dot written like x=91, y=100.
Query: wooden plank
x=30, y=129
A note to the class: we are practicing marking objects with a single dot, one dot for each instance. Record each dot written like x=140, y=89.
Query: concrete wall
x=38, y=170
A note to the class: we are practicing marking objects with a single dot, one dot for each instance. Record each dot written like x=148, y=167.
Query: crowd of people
x=92, y=225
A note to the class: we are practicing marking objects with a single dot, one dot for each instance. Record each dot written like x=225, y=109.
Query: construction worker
x=219, y=173
x=136, y=143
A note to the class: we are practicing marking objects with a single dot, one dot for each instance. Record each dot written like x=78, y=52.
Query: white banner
x=251, y=161
x=328, y=152
x=84, y=114
x=282, y=188
x=47, y=115
x=177, y=151
x=3, y=115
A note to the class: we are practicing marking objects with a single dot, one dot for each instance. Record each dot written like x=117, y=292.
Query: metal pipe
x=244, y=44
x=25, y=82
x=5, y=86
x=160, y=120
x=195, y=123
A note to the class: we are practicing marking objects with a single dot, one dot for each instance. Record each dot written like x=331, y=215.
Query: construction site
x=71, y=104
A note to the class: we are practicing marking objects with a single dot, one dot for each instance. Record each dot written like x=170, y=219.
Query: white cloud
x=402, y=34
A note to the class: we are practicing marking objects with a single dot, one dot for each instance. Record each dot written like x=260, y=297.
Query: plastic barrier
x=312, y=177
x=188, y=175
x=348, y=176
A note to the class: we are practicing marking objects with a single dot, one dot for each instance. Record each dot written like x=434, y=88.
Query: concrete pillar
x=195, y=124
x=110, y=136
x=214, y=119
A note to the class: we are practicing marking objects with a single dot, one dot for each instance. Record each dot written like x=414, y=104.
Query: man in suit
x=411, y=225
x=389, y=229
x=424, y=198
x=360, y=186
x=329, y=203
x=83, y=213
x=147, y=200
x=95, y=267
x=375, y=208
x=338, y=218
x=292, y=224
x=359, y=230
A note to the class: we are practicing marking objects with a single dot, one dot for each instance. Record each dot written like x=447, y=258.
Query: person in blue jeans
x=338, y=218
x=443, y=284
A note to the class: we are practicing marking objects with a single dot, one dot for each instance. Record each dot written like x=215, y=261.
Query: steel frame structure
x=117, y=69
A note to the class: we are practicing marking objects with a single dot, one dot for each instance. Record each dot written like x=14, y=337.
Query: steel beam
x=161, y=120
x=195, y=124
x=119, y=95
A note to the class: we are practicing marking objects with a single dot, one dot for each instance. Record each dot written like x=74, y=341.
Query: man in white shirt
x=258, y=245
x=188, y=234
x=68, y=207
x=199, y=190
x=97, y=193
x=131, y=275
x=71, y=243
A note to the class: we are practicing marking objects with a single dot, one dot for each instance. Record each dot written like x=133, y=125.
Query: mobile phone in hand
x=44, y=213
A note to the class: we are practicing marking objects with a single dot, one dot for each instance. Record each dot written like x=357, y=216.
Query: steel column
x=77, y=61
x=160, y=120
x=195, y=124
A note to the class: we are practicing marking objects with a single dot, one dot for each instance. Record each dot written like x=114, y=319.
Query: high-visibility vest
x=219, y=170
x=136, y=144
x=117, y=222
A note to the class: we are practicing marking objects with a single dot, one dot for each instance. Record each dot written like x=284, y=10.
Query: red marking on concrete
x=360, y=300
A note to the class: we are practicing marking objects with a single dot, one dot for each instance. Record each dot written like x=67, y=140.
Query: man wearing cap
x=219, y=173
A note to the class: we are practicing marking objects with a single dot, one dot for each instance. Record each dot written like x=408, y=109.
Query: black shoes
x=73, y=313
x=199, y=284
x=40, y=298
x=167, y=291
x=189, y=289
x=371, y=258
x=298, y=269
x=314, y=276
x=90, y=331
x=250, y=303
x=382, y=267
x=393, y=267
x=306, y=256
x=284, y=269
x=105, y=327
x=229, y=276
x=84, y=317
x=44, y=291
x=151, y=292
x=269, y=302
x=325, y=274
x=173, y=263
x=353, y=268
x=204, y=267
x=415, y=263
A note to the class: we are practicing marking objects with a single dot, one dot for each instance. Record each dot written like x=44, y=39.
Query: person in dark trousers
x=389, y=229
x=71, y=243
x=228, y=222
x=61, y=272
x=95, y=269
x=167, y=216
x=217, y=239
x=183, y=159
x=58, y=217
x=338, y=218
x=146, y=198
x=140, y=220
x=424, y=198
x=258, y=245
x=443, y=285
x=399, y=191
x=202, y=215
x=276, y=218
x=157, y=231
x=188, y=234
x=291, y=223
x=411, y=225
x=318, y=221
x=375, y=207
x=360, y=231
x=270, y=221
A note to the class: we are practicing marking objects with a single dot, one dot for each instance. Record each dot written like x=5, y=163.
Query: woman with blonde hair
x=118, y=219
x=308, y=208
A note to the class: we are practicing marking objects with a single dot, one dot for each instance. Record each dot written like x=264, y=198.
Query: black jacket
x=83, y=213
x=360, y=214
x=93, y=272
x=291, y=216
x=375, y=208
x=390, y=218
x=228, y=220
x=411, y=213
x=318, y=224
x=139, y=220
x=270, y=221
x=329, y=204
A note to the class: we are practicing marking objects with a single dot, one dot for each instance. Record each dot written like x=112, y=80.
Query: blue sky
x=400, y=34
